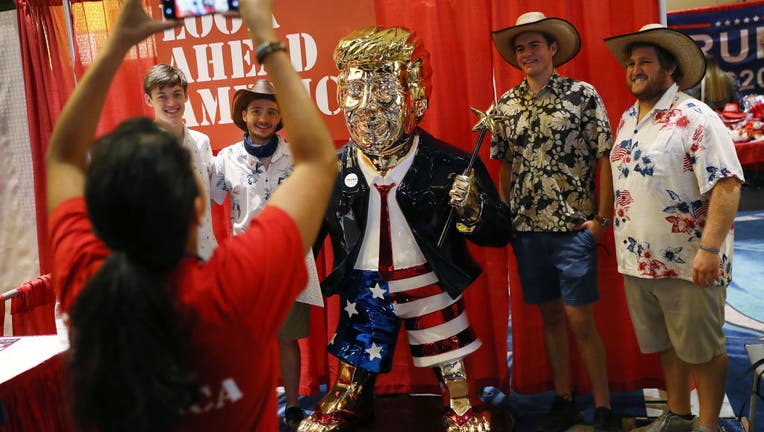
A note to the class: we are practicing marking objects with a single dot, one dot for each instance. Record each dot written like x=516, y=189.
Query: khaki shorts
x=297, y=323
x=675, y=313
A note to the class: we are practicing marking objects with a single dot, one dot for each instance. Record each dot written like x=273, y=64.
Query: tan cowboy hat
x=689, y=57
x=262, y=89
x=563, y=32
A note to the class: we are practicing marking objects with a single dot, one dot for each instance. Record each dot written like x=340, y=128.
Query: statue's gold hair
x=375, y=48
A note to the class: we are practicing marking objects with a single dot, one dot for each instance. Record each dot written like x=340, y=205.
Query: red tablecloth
x=35, y=399
x=751, y=154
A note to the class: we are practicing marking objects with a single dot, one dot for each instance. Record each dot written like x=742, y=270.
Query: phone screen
x=178, y=9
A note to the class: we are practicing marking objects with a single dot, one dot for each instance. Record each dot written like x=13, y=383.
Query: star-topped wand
x=488, y=121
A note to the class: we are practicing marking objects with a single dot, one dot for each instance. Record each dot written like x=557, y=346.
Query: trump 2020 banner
x=734, y=34
x=218, y=58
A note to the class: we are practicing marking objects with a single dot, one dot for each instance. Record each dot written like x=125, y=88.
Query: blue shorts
x=555, y=265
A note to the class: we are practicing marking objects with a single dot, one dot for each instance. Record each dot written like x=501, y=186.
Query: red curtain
x=455, y=33
x=50, y=73
x=92, y=22
x=594, y=20
x=467, y=27
x=465, y=65
x=627, y=368
x=47, y=82
x=2, y=315
x=32, y=308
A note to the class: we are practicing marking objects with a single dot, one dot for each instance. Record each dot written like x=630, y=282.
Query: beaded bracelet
x=709, y=250
x=267, y=48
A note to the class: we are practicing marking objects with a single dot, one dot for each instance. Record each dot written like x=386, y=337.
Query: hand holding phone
x=179, y=9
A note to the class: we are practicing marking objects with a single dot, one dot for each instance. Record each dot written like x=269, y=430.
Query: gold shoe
x=347, y=405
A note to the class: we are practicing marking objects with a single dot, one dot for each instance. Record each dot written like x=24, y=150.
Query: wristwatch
x=602, y=220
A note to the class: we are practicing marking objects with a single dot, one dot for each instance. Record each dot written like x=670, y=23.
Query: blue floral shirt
x=664, y=168
x=249, y=183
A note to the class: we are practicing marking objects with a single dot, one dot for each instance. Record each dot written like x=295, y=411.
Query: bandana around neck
x=261, y=151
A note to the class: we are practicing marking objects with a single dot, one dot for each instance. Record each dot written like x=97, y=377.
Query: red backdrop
x=463, y=60
x=465, y=66
x=218, y=58
x=627, y=368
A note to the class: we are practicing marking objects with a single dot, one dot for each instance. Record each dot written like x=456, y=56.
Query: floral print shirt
x=552, y=141
x=245, y=177
x=664, y=168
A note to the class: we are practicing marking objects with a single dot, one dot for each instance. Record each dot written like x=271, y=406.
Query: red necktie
x=385, y=239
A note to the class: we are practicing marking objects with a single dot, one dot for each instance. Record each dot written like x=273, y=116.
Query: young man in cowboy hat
x=250, y=170
x=677, y=186
x=555, y=134
x=164, y=89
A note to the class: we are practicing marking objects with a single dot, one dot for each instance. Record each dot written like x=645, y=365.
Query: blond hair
x=718, y=86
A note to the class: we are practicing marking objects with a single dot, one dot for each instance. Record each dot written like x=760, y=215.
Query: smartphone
x=179, y=9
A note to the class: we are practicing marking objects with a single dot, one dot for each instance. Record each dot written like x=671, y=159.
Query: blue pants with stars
x=372, y=310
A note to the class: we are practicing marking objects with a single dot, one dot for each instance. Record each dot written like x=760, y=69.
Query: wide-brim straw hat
x=688, y=55
x=567, y=37
x=262, y=89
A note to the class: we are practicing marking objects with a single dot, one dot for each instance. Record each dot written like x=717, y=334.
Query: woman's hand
x=134, y=25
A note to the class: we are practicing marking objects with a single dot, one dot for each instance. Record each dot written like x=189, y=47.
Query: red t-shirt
x=232, y=306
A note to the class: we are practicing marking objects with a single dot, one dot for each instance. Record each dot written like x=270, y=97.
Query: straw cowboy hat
x=563, y=32
x=262, y=89
x=689, y=57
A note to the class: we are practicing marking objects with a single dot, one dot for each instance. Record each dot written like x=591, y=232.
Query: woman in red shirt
x=160, y=339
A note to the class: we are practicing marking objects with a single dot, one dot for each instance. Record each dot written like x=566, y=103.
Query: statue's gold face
x=379, y=112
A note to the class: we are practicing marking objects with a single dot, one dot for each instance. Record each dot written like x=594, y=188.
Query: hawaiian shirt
x=198, y=144
x=249, y=183
x=664, y=168
x=552, y=141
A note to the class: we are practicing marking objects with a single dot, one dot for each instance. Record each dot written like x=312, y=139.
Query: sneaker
x=670, y=422
x=563, y=415
x=605, y=420
x=293, y=416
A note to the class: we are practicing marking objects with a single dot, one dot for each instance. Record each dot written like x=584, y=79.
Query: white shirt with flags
x=664, y=168
x=250, y=184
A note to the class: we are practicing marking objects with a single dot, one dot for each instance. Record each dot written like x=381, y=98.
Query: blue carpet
x=745, y=325
x=744, y=295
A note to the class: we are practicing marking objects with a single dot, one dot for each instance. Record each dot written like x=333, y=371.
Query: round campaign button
x=351, y=180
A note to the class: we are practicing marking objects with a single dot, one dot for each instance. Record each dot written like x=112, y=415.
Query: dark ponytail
x=129, y=367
